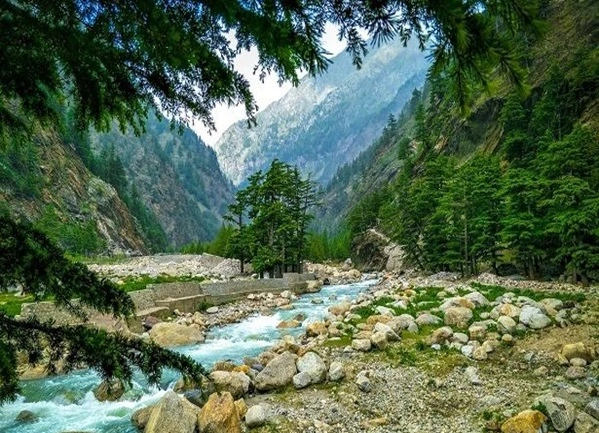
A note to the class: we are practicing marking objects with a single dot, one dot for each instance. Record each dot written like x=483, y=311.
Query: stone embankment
x=419, y=355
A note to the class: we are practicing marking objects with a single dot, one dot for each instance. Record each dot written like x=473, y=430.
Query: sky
x=264, y=93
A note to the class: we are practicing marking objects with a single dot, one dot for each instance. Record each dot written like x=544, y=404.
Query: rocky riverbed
x=409, y=354
x=429, y=355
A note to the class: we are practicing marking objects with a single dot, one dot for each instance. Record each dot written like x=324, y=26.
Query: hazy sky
x=265, y=93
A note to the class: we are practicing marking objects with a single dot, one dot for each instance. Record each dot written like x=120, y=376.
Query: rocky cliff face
x=177, y=177
x=70, y=196
x=326, y=121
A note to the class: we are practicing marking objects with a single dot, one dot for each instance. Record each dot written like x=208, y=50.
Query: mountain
x=176, y=176
x=514, y=182
x=326, y=121
x=44, y=180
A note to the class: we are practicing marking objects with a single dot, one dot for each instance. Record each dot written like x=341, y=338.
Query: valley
x=407, y=241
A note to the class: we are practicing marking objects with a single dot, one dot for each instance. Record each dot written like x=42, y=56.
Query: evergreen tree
x=572, y=205
x=271, y=218
x=117, y=59
x=29, y=259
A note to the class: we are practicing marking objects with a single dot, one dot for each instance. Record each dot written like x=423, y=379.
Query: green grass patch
x=491, y=292
x=11, y=304
x=344, y=340
x=98, y=260
x=401, y=355
x=132, y=284
x=425, y=299
x=370, y=310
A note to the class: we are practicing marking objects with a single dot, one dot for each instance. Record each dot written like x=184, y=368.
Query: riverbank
x=367, y=366
x=435, y=354
x=416, y=387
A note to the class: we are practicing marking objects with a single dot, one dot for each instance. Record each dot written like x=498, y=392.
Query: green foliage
x=29, y=259
x=538, y=205
x=115, y=61
x=11, y=303
x=20, y=168
x=148, y=221
x=400, y=354
x=271, y=218
x=322, y=246
x=132, y=284
x=366, y=213
x=73, y=237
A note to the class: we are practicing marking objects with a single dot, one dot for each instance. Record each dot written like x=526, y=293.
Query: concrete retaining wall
x=163, y=299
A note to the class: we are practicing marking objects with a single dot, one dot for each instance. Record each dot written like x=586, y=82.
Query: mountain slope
x=43, y=180
x=177, y=177
x=326, y=121
x=514, y=181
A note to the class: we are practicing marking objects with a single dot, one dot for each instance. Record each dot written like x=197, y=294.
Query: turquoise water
x=67, y=402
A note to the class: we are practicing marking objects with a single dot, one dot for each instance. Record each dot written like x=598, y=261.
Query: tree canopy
x=117, y=59
x=30, y=260
x=270, y=219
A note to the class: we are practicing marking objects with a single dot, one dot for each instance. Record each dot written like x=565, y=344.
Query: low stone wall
x=163, y=299
x=45, y=311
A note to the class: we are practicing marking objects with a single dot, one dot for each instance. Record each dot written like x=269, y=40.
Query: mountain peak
x=327, y=120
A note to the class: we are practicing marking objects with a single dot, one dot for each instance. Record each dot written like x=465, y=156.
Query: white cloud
x=264, y=92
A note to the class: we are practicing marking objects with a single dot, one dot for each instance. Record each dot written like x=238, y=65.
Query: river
x=66, y=402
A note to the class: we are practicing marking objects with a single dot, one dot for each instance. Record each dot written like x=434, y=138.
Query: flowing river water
x=66, y=403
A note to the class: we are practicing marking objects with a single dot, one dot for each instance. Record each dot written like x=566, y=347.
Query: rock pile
x=556, y=413
x=285, y=364
x=204, y=265
x=473, y=324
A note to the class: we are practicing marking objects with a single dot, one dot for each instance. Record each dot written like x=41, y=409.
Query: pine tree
x=179, y=59
x=29, y=259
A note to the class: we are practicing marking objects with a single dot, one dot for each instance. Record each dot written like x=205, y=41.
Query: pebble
x=363, y=381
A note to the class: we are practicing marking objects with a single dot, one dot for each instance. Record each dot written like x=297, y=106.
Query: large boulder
x=109, y=390
x=428, y=319
x=379, y=340
x=528, y=421
x=506, y=324
x=172, y=414
x=458, y=316
x=386, y=329
x=278, y=373
x=26, y=417
x=301, y=380
x=562, y=413
x=440, y=335
x=140, y=417
x=287, y=324
x=167, y=334
x=256, y=416
x=219, y=415
x=340, y=309
x=577, y=350
x=314, y=366
x=238, y=384
x=534, y=317
x=361, y=344
x=316, y=328
x=369, y=251
x=401, y=322
x=478, y=299
x=457, y=301
x=336, y=371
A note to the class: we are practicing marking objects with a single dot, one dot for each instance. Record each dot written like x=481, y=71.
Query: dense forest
x=527, y=194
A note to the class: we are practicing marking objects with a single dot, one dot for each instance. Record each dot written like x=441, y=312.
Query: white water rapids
x=66, y=403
